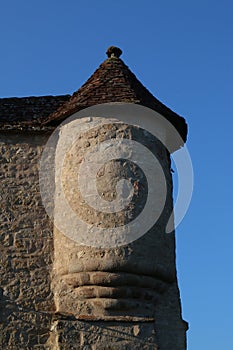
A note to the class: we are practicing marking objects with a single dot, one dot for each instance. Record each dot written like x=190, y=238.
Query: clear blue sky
x=182, y=52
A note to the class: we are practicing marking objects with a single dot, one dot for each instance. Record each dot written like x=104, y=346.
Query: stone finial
x=114, y=51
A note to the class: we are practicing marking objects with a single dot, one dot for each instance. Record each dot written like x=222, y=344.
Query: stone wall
x=26, y=245
x=28, y=318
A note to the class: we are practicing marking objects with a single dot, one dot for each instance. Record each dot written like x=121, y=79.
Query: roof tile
x=114, y=82
x=111, y=82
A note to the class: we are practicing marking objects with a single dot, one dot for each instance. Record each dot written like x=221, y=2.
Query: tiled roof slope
x=114, y=82
x=28, y=111
x=111, y=82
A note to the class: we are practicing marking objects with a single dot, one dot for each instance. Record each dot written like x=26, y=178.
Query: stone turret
x=125, y=286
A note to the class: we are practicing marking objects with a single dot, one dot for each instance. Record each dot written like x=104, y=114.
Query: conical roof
x=114, y=82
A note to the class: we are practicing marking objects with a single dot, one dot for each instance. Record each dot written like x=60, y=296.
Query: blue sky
x=182, y=52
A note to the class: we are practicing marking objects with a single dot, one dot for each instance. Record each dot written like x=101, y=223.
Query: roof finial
x=113, y=52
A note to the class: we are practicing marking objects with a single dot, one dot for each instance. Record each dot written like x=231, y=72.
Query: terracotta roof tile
x=114, y=82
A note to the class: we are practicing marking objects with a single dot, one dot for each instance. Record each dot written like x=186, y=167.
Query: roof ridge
x=113, y=81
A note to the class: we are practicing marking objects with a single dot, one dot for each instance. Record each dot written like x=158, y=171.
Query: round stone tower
x=114, y=273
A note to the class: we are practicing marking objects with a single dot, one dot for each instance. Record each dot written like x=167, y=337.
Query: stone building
x=56, y=293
